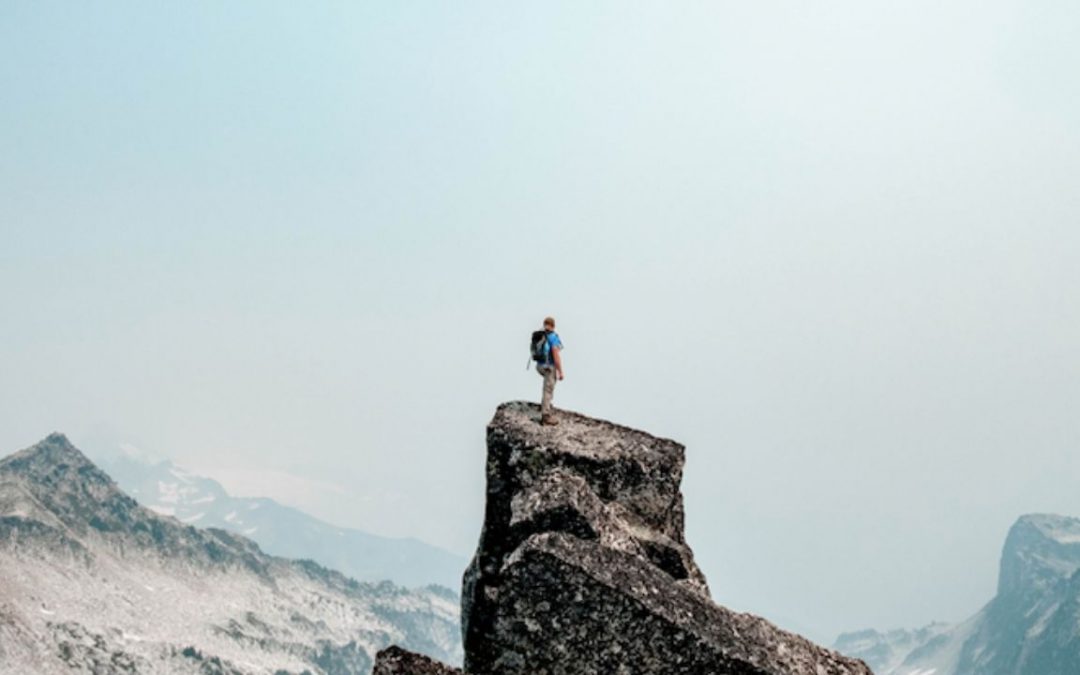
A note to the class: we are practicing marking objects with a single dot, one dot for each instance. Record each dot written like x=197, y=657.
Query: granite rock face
x=582, y=565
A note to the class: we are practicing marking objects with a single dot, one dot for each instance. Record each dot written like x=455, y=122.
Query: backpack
x=537, y=344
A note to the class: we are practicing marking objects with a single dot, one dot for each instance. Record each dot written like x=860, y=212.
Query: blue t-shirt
x=552, y=342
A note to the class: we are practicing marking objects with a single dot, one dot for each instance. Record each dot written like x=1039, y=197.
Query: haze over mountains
x=1031, y=627
x=92, y=581
x=282, y=530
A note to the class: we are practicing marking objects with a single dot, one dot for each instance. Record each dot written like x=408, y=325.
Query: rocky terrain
x=281, y=530
x=93, y=582
x=394, y=660
x=582, y=565
x=1031, y=627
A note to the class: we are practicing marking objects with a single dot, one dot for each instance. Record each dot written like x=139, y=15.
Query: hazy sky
x=832, y=247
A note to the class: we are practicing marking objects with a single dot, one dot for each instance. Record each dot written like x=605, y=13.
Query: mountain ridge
x=97, y=582
x=284, y=530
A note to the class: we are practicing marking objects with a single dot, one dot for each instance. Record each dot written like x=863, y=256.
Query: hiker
x=546, y=348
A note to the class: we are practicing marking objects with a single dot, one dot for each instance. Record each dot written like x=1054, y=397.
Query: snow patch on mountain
x=94, y=582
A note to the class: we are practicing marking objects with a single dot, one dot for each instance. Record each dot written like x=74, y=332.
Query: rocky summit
x=583, y=566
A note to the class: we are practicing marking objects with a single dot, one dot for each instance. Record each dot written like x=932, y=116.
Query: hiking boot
x=548, y=420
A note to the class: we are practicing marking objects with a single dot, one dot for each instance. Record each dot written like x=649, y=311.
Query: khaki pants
x=549, y=388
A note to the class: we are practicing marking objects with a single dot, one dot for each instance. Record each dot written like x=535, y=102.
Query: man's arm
x=556, y=356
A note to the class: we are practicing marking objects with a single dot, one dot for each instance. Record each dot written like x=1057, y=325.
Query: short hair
x=549, y=321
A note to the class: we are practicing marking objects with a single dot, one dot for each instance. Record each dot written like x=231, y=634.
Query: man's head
x=549, y=323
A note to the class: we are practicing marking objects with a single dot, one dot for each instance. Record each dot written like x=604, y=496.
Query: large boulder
x=583, y=567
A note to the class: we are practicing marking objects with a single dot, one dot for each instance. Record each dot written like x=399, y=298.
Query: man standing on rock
x=549, y=364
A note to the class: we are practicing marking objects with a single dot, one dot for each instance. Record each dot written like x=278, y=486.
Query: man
x=551, y=368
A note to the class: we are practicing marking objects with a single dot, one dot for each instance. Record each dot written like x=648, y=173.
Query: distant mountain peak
x=53, y=448
x=58, y=437
x=55, y=460
x=1028, y=628
x=1063, y=529
x=67, y=490
x=1040, y=550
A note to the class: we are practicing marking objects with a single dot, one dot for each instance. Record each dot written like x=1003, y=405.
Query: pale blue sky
x=829, y=246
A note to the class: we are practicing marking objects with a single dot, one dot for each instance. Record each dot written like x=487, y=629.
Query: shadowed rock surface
x=398, y=661
x=583, y=567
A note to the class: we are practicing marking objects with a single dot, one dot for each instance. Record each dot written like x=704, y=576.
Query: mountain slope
x=91, y=581
x=285, y=531
x=884, y=652
x=1031, y=627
